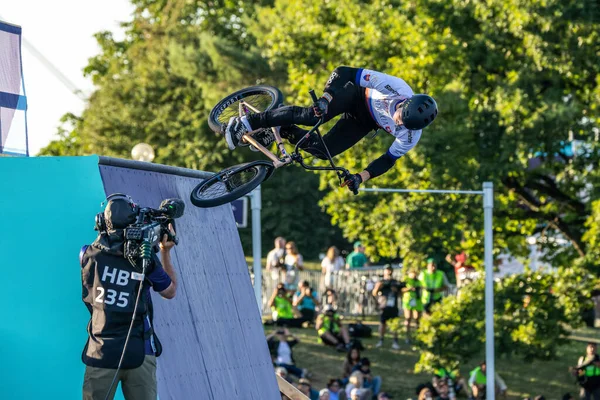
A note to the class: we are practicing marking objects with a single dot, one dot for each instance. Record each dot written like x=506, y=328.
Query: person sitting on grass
x=334, y=387
x=355, y=387
x=282, y=308
x=281, y=351
x=369, y=381
x=352, y=359
x=305, y=300
x=306, y=389
x=478, y=380
x=331, y=331
x=456, y=383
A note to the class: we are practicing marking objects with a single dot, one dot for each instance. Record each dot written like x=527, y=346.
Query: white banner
x=13, y=101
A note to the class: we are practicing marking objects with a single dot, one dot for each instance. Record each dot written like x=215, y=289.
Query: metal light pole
x=488, y=206
x=256, y=205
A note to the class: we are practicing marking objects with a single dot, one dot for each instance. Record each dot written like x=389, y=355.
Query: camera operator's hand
x=166, y=244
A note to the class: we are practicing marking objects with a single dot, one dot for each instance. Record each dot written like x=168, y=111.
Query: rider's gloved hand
x=353, y=182
x=320, y=106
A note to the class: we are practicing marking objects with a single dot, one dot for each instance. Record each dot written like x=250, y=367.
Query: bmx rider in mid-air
x=366, y=99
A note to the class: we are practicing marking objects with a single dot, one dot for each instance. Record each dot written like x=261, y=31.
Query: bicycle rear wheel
x=262, y=98
x=230, y=184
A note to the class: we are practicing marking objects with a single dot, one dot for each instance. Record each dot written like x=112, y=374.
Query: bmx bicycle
x=239, y=180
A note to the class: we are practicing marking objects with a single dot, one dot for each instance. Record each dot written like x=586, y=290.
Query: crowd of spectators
x=295, y=303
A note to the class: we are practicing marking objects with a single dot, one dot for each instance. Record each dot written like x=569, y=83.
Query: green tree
x=158, y=85
x=514, y=79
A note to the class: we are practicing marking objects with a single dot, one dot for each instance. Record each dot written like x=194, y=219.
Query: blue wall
x=47, y=208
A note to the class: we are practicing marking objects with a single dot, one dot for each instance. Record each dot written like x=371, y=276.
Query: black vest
x=110, y=285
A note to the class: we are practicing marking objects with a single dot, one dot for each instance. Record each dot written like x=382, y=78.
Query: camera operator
x=387, y=292
x=110, y=287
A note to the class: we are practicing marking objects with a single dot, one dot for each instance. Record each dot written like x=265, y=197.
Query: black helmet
x=419, y=111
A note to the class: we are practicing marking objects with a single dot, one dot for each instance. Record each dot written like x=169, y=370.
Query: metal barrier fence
x=352, y=288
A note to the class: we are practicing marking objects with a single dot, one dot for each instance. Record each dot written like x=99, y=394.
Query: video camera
x=149, y=228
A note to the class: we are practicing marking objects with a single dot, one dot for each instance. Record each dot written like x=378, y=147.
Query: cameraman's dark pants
x=138, y=383
x=348, y=101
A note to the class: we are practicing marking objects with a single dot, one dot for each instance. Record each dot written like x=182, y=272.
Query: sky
x=62, y=30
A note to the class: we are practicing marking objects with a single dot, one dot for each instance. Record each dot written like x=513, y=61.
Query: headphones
x=100, y=221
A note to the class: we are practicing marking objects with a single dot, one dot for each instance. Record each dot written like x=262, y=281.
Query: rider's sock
x=246, y=123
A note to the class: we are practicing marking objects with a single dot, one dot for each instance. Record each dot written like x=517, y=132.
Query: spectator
x=357, y=259
x=383, y=396
x=280, y=348
x=588, y=373
x=331, y=264
x=369, y=381
x=456, y=383
x=329, y=297
x=352, y=359
x=293, y=264
x=324, y=395
x=282, y=309
x=356, y=384
x=425, y=394
x=433, y=284
x=462, y=271
x=478, y=379
x=305, y=388
x=387, y=292
x=443, y=390
x=411, y=301
x=276, y=260
x=335, y=390
x=330, y=329
x=305, y=300
x=282, y=372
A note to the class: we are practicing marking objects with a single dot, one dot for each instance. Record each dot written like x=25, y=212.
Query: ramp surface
x=214, y=345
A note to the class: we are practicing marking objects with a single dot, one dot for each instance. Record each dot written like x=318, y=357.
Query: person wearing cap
x=387, y=292
x=324, y=394
x=331, y=330
x=433, y=283
x=110, y=284
x=304, y=386
x=357, y=259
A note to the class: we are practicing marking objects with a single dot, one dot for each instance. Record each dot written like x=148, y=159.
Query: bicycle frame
x=295, y=155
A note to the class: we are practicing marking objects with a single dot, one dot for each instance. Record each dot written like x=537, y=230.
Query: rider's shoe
x=264, y=137
x=236, y=128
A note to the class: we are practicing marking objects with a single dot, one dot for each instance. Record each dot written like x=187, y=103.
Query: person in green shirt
x=282, y=307
x=357, y=259
x=411, y=301
x=433, y=284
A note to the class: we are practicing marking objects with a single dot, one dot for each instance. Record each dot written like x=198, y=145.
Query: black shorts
x=389, y=313
x=427, y=307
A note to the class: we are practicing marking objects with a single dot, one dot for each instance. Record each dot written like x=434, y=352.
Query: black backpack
x=359, y=330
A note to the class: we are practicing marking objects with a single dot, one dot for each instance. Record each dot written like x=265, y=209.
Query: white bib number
x=111, y=297
x=391, y=301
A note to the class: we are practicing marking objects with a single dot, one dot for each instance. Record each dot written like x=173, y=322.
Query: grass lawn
x=549, y=378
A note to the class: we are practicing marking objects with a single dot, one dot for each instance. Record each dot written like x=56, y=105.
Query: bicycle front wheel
x=251, y=99
x=230, y=184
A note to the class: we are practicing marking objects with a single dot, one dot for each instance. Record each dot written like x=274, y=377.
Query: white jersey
x=384, y=93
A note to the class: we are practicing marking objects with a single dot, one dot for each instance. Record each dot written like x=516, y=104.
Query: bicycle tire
x=228, y=107
x=218, y=189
